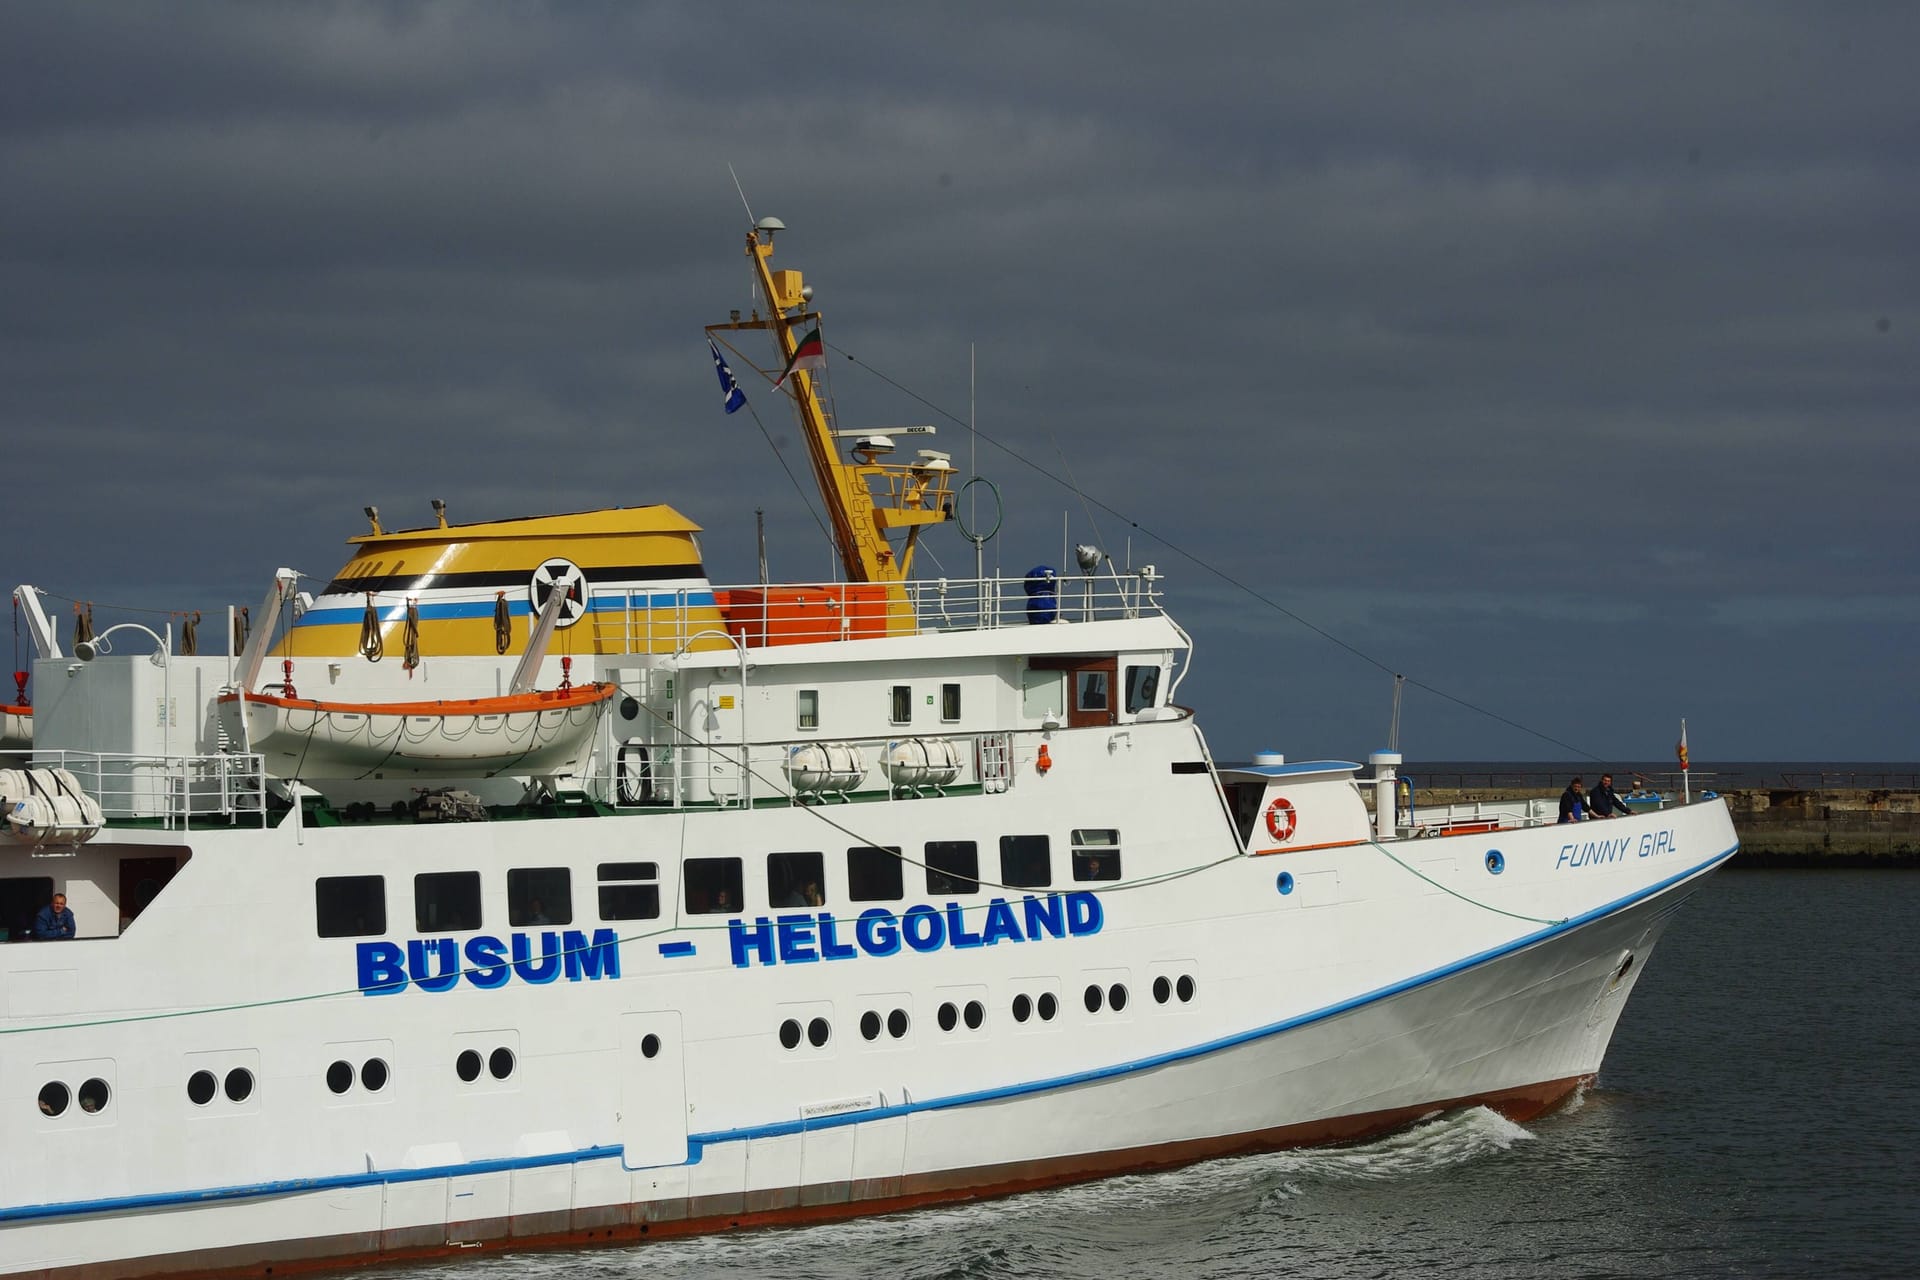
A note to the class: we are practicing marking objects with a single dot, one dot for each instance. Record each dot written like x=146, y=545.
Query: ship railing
x=639, y=621
x=821, y=772
x=1470, y=816
x=175, y=790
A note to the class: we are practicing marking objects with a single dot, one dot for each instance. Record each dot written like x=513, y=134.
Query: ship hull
x=1517, y=1027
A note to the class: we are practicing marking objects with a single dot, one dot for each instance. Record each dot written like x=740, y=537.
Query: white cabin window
x=806, y=703
x=629, y=890
x=901, y=709
x=446, y=901
x=949, y=703
x=1096, y=853
x=1043, y=693
x=539, y=895
x=1143, y=688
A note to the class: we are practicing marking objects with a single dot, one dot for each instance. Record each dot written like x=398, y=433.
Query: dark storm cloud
x=1521, y=346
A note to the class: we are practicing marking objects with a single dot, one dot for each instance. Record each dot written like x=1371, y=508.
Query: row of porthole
x=1183, y=987
x=499, y=1064
x=974, y=1014
x=55, y=1097
x=818, y=1032
x=897, y=1024
x=203, y=1085
x=373, y=1076
x=1114, y=997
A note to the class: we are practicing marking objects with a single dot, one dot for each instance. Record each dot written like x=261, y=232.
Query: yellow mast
x=866, y=500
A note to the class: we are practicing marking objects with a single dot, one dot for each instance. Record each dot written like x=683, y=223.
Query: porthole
x=975, y=1013
x=1162, y=990
x=870, y=1025
x=1496, y=862
x=201, y=1086
x=467, y=1065
x=1117, y=997
x=949, y=1016
x=818, y=1032
x=650, y=1045
x=1284, y=883
x=1022, y=1008
x=94, y=1095
x=54, y=1098
x=1095, y=997
x=897, y=1023
x=500, y=1062
x=1184, y=988
x=1048, y=1006
x=374, y=1075
x=239, y=1084
x=789, y=1034
x=340, y=1077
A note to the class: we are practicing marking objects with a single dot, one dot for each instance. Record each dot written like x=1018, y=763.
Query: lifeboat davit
x=540, y=733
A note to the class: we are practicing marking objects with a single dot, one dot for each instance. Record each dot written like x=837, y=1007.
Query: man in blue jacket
x=54, y=922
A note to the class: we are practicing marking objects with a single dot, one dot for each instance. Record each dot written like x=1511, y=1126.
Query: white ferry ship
x=527, y=890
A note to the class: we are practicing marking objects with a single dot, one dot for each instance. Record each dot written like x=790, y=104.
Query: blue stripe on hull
x=484, y=609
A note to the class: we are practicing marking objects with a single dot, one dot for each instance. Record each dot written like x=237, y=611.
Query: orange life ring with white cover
x=1281, y=819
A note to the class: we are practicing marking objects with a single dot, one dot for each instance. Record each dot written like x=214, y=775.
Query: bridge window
x=953, y=866
x=350, y=906
x=901, y=709
x=713, y=886
x=796, y=879
x=539, y=895
x=1143, y=688
x=874, y=874
x=446, y=901
x=21, y=898
x=629, y=890
x=949, y=703
x=1096, y=853
x=1024, y=862
x=1091, y=690
x=807, y=708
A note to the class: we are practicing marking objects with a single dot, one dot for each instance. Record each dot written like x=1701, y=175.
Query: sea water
x=1758, y=1115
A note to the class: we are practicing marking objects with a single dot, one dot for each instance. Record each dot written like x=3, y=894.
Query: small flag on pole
x=810, y=355
x=730, y=393
x=1680, y=749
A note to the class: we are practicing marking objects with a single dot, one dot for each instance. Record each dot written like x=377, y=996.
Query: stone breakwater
x=1784, y=827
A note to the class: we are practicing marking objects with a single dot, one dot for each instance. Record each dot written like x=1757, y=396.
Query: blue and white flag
x=731, y=394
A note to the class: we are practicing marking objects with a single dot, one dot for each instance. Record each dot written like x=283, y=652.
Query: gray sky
x=1563, y=357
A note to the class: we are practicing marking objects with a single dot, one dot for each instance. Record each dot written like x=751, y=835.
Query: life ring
x=1281, y=819
x=633, y=774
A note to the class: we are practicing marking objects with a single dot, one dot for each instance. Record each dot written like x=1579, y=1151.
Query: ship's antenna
x=1393, y=729
x=973, y=469
x=742, y=190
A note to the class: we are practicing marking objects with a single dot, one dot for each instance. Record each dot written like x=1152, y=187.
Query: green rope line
x=1514, y=915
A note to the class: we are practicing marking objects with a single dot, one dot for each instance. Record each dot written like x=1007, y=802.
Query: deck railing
x=812, y=612
x=177, y=790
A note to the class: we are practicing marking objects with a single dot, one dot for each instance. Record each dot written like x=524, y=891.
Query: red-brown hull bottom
x=634, y=1223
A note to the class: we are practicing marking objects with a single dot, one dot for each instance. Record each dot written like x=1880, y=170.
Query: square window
x=949, y=702
x=1091, y=690
x=713, y=886
x=539, y=895
x=349, y=906
x=1143, y=688
x=796, y=879
x=446, y=901
x=1024, y=862
x=953, y=866
x=807, y=708
x=1042, y=694
x=901, y=709
x=1096, y=854
x=875, y=874
x=629, y=891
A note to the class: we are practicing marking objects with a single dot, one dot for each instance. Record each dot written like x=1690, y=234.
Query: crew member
x=1603, y=802
x=1573, y=803
x=55, y=922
